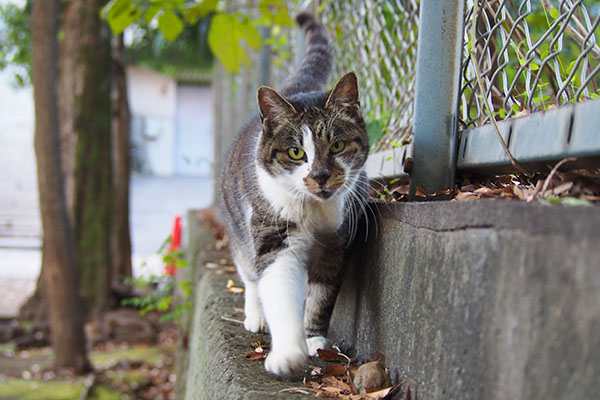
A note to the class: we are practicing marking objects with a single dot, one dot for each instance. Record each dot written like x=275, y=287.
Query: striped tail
x=314, y=70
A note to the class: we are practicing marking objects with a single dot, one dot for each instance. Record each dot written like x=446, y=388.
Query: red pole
x=171, y=268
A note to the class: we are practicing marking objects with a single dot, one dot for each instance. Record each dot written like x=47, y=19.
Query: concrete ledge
x=479, y=300
x=217, y=368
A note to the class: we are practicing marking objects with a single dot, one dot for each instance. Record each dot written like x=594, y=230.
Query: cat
x=292, y=191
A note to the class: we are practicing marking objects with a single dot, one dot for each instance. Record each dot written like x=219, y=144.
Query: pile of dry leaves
x=576, y=187
x=342, y=378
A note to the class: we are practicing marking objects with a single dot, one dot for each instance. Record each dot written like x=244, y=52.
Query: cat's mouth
x=325, y=194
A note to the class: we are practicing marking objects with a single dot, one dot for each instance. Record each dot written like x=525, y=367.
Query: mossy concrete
x=217, y=367
x=211, y=361
x=482, y=300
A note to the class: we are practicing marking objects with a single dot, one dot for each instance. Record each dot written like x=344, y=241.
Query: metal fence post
x=439, y=54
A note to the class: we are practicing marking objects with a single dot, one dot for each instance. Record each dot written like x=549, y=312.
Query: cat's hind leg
x=324, y=279
x=255, y=320
x=254, y=317
x=319, y=305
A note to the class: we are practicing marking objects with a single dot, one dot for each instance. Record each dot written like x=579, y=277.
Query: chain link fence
x=378, y=40
x=531, y=55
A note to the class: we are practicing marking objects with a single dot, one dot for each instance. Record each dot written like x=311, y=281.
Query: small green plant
x=160, y=289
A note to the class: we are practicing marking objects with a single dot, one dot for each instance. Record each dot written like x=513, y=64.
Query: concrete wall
x=479, y=300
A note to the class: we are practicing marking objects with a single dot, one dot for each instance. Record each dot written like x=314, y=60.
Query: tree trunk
x=86, y=126
x=121, y=241
x=60, y=273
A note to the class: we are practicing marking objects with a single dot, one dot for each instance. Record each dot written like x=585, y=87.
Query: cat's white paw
x=255, y=321
x=317, y=342
x=286, y=361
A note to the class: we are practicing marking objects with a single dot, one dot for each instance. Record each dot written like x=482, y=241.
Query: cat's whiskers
x=363, y=196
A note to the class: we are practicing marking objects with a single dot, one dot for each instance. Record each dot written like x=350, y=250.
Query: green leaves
x=120, y=14
x=225, y=40
x=229, y=36
x=275, y=12
x=192, y=12
x=170, y=25
x=15, y=43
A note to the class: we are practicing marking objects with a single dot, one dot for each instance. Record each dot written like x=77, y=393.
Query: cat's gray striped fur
x=292, y=191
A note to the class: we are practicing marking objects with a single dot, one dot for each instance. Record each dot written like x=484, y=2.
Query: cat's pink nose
x=320, y=175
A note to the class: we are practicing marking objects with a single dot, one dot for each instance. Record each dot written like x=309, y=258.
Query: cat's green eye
x=296, y=153
x=337, y=147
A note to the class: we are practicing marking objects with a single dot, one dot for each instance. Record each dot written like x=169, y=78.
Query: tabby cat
x=292, y=191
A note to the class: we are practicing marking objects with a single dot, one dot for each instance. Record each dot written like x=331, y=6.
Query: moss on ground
x=26, y=389
x=147, y=354
x=13, y=386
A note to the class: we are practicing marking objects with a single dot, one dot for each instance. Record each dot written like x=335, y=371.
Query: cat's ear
x=345, y=91
x=271, y=104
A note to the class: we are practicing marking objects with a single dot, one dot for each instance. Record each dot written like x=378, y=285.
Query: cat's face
x=316, y=151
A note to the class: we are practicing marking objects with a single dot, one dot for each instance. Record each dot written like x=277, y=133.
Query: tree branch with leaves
x=232, y=31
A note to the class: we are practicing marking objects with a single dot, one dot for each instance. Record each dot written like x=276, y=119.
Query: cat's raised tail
x=315, y=68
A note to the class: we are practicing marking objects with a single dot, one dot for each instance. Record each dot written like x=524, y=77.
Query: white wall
x=172, y=124
x=194, y=131
x=153, y=97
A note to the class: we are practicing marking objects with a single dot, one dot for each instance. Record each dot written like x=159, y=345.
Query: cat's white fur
x=281, y=289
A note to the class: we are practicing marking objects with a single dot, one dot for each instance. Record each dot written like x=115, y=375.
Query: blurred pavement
x=154, y=203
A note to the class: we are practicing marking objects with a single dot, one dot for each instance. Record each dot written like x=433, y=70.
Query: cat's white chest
x=324, y=216
x=310, y=214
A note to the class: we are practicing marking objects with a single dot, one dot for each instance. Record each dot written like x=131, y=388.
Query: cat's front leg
x=281, y=289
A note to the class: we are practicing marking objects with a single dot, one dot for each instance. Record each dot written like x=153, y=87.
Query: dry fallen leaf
x=378, y=395
x=231, y=288
x=560, y=189
x=465, y=196
x=254, y=355
x=227, y=270
x=371, y=377
x=330, y=356
x=336, y=370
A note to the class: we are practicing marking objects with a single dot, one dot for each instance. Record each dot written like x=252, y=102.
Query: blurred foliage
x=230, y=32
x=186, y=58
x=15, y=42
x=159, y=291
